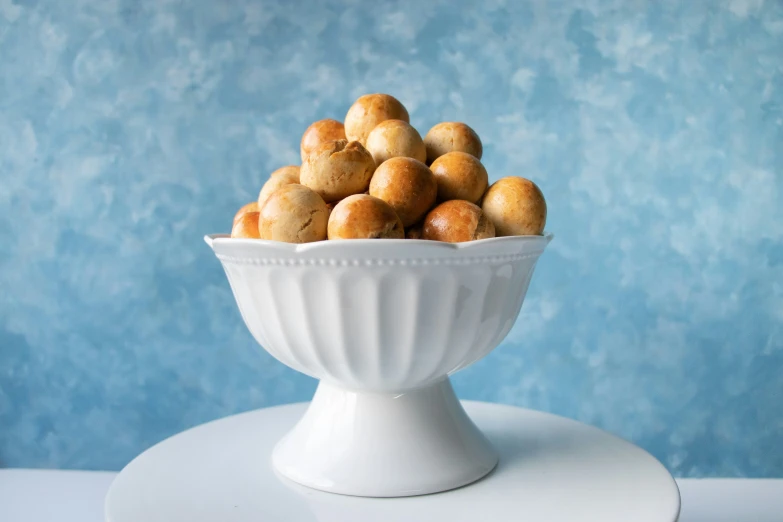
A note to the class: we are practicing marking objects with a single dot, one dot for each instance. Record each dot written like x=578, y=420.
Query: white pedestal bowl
x=382, y=324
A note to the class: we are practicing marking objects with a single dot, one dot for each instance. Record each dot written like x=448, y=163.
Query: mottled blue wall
x=129, y=129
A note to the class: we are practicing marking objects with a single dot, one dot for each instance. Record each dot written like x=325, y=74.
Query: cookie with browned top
x=281, y=177
x=320, y=132
x=459, y=176
x=370, y=110
x=407, y=185
x=250, y=207
x=293, y=214
x=516, y=206
x=457, y=221
x=246, y=226
x=337, y=169
x=364, y=217
x=393, y=138
x=450, y=136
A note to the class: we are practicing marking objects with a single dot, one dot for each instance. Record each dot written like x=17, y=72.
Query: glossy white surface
x=551, y=469
x=379, y=315
x=46, y=495
x=381, y=318
x=421, y=442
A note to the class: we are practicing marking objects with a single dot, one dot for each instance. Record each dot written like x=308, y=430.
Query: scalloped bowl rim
x=412, y=246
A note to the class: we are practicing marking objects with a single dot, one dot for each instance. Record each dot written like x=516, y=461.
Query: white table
x=224, y=454
x=77, y=496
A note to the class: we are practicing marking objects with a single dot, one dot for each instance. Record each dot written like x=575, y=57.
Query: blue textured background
x=128, y=129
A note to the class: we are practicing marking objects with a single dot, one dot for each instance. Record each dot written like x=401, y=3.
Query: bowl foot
x=384, y=445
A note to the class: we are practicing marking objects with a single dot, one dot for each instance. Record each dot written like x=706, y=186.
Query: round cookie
x=457, y=221
x=459, y=176
x=364, y=217
x=250, y=207
x=368, y=111
x=393, y=138
x=293, y=214
x=320, y=132
x=338, y=169
x=516, y=206
x=279, y=178
x=246, y=226
x=407, y=185
x=450, y=136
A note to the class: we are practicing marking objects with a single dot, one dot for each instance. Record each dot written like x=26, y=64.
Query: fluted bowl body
x=379, y=315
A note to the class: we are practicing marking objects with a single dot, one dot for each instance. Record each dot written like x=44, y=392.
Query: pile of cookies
x=374, y=177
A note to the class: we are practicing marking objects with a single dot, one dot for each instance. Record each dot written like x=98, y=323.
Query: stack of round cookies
x=374, y=177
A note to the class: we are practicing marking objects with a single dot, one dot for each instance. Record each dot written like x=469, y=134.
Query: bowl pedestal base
x=384, y=445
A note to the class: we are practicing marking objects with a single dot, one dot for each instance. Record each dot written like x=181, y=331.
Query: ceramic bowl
x=382, y=324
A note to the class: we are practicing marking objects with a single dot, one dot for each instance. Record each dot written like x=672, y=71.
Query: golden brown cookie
x=293, y=214
x=320, y=132
x=450, y=136
x=407, y=185
x=368, y=111
x=393, y=138
x=457, y=221
x=364, y=217
x=337, y=169
x=459, y=176
x=516, y=206
x=250, y=207
x=246, y=226
x=279, y=178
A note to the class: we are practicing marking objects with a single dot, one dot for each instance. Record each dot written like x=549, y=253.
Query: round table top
x=551, y=469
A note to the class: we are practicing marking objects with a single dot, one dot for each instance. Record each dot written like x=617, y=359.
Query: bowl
x=382, y=324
